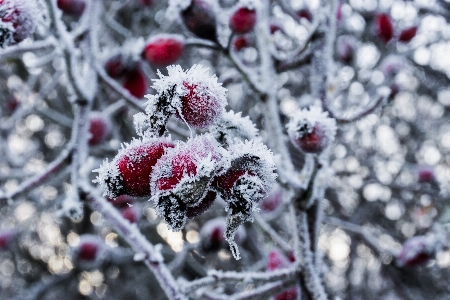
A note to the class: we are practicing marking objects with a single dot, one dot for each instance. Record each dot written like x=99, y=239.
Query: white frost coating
x=166, y=36
x=132, y=48
x=303, y=122
x=108, y=172
x=233, y=128
x=250, y=4
x=139, y=256
x=392, y=65
x=415, y=246
x=175, y=7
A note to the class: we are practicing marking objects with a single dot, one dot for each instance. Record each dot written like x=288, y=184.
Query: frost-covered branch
x=22, y=48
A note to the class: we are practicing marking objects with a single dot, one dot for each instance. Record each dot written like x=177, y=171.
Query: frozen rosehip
x=202, y=206
x=186, y=169
x=72, y=7
x=196, y=96
x=164, y=49
x=311, y=130
x=136, y=83
x=129, y=172
x=407, y=34
x=7, y=236
x=240, y=43
x=346, y=48
x=305, y=13
x=122, y=201
x=416, y=251
x=200, y=19
x=17, y=21
x=99, y=128
x=426, y=174
x=384, y=27
x=243, y=20
x=131, y=213
x=116, y=67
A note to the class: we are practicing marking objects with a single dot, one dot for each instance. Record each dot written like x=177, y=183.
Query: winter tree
x=224, y=149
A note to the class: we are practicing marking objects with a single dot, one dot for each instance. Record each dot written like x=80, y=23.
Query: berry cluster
x=278, y=260
x=386, y=31
x=183, y=178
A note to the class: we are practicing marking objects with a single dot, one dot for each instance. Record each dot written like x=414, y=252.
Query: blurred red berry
x=243, y=20
x=136, y=83
x=72, y=7
x=240, y=43
x=115, y=66
x=12, y=104
x=6, y=238
x=416, y=251
x=426, y=174
x=305, y=13
x=146, y=2
x=275, y=26
x=407, y=34
x=131, y=213
x=88, y=251
x=272, y=202
x=346, y=48
x=99, y=128
x=200, y=19
x=121, y=201
x=278, y=260
x=385, y=28
x=163, y=50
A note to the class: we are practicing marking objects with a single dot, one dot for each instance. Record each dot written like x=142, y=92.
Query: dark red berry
x=72, y=7
x=416, y=251
x=385, y=28
x=164, y=50
x=313, y=142
x=146, y=2
x=240, y=43
x=122, y=201
x=115, y=66
x=6, y=238
x=277, y=260
x=136, y=83
x=99, y=128
x=346, y=48
x=305, y=13
x=200, y=19
x=275, y=26
x=88, y=251
x=272, y=202
x=131, y=213
x=12, y=104
x=426, y=174
x=407, y=34
x=243, y=20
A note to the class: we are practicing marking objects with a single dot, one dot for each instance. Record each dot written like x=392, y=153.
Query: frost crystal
x=16, y=21
x=232, y=128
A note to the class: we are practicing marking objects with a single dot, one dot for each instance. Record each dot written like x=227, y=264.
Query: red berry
x=115, y=66
x=163, y=50
x=314, y=142
x=202, y=206
x=426, y=174
x=407, y=34
x=345, y=48
x=240, y=43
x=6, y=238
x=129, y=172
x=87, y=251
x=243, y=20
x=385, y=28
x=416, y=251
x=132, y=214
x=146, y=2
x=272, y=202
x=136, y=83
x=305, y=13
x=121, y=201
x=199, y=108
x=99, y=128
x=17, y=21
x=12, y=104
x=277, y=260
x=275, y=26
x=72, y=7
x=212, y=234
x=200, y=19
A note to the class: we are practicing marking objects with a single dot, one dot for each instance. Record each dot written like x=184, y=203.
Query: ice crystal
x=232, y=128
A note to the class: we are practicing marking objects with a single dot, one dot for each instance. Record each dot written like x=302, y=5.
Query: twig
x=272, y=233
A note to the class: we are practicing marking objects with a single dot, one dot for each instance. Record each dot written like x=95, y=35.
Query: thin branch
x=22, y=48
x=273, y=234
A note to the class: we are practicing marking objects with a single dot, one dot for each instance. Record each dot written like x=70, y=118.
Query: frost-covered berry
x=243, y=20
x=272, y=203
x=194, y=95
x=384, y=27
x=16, y=21
x=233, y=127
x=416, y=251
x=136, y=83
x=346, y=48
x=72, y=7
x=122, y=201
x=164, y=49
x=240, y=43
x=212, y=235
x=202, y=206
x=90, y=251
x=200, y=19
x=7, y=236
x=99, y=128
x=311, y=130
x=425, y=174
x=129, y=172
x=305, y=13
x=407, y=34
x=278, y=260
x=131, y=213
